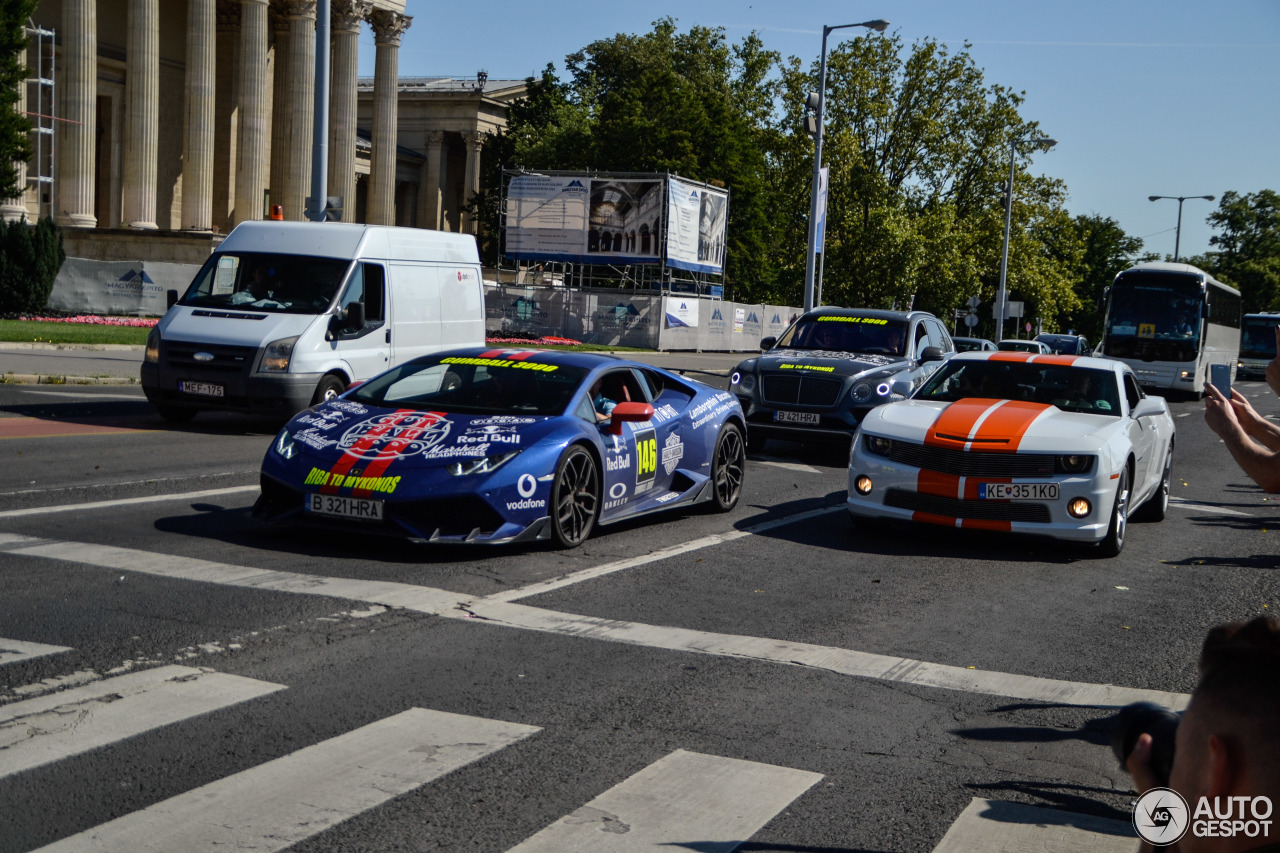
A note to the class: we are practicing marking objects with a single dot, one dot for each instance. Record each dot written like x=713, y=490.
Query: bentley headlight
x=1075, y=463
x=486, y=465
x=744, y=379
x=284, y=444
x=152, y=355
x=275, y=359
x=878, y=445
x=861, y=392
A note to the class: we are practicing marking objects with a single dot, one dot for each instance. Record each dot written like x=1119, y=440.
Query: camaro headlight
x=275, y=359
x=1075, y=463
x=481, y=466
x=152, y=355
x=284, y=444
x=878, y=445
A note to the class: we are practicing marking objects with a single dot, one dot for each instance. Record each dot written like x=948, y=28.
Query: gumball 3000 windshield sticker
x=398, y=434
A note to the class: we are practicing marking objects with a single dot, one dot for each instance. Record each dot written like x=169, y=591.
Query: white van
x=284, y=315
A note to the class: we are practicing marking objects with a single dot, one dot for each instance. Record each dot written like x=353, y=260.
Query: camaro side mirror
x=931, y=354
x=1149, y=406
x=623, y=412
x=767, y=343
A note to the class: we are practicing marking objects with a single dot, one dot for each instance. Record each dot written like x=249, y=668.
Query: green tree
x=1108, y=251
x=30, y=257
x=1248, y=247
x=917, y=146
x=15, y=146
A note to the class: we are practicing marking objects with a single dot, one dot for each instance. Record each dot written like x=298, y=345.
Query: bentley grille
x=800, y=390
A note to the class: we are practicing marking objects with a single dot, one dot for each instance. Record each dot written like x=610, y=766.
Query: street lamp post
x=1002, y=298
x=1177, y=237
x=878, y=26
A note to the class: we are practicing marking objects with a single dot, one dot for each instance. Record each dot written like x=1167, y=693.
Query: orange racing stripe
x=954, y=426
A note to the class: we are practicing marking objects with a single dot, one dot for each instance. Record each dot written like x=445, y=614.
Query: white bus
x=1169, y=322
x=1257, y=344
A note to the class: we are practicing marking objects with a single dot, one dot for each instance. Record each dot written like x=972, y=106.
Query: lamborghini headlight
x=284, y=444
x=485, y=465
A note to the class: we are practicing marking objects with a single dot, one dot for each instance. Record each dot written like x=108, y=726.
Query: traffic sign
x=971, y=320
x=974, y=301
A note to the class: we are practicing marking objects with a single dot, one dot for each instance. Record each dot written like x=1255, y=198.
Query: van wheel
x=176, y=414
x=328, y=388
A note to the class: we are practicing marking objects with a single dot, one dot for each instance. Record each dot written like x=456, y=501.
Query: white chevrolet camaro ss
x=1056, y=445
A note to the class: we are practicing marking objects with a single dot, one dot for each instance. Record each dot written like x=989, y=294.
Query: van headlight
x=284, y=444
x=275, y=358
x=152, y=355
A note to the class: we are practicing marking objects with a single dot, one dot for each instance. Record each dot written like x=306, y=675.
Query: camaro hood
x=986, y=424
x=829, y=362
x=231, y=327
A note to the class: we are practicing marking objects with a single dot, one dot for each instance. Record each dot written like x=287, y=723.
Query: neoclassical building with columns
x=180, y=119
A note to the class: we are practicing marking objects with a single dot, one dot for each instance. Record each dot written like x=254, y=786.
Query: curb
x=41, y=379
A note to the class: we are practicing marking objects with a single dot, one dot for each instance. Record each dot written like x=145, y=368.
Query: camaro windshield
x=1072, y=389
x=842, y=333
x=475, y=385
x=277, y=284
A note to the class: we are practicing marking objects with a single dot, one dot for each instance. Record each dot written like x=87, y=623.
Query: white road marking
x=655, y=556
x=290, y=799
x=12, y=651
x=788, y=466
x=185, y=496
x=41, y=731
x=1183, y=415
x=86, y=396
x=684, y=797
x=840, y=661
x=1009, y=827
x=1192, y=506
x=499, y=610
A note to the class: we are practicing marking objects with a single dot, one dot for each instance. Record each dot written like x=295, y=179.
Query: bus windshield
x=1155, y=321
x=1257, y=340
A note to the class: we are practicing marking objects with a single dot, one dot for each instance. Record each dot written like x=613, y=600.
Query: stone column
x=197, y=135
x=388, y=27
x=76, y=137
x=251, y=150
x=280, y=112
x=429, y=193
x=226, y=114
x=474, y=141
x=302, y=105
x=347, y=15
x=142, y=114
x=15, y=209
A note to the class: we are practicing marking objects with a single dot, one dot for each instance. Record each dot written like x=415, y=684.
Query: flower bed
x=96, y=320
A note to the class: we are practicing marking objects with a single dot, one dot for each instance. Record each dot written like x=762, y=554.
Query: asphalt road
x=767, y=677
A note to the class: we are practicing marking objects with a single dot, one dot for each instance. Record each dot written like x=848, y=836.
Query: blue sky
x=1145, y=97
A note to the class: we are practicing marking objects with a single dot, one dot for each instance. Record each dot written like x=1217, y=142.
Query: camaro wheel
x=728, y=467
x=328, y=388
x=1112, y=545
x=1158, y=504
x=575, y=498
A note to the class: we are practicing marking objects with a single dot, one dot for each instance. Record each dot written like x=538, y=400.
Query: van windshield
x=259, y=281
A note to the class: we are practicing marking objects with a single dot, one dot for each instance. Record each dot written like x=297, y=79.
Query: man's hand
x=1273, y=367
x=1139, y=765
x=1220, y=414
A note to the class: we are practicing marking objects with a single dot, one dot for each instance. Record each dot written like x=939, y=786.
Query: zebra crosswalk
x=684, y=800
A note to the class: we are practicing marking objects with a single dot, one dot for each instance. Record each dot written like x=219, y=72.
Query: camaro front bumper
x=903, y=493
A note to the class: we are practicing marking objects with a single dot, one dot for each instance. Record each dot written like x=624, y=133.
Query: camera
x=1155, y=720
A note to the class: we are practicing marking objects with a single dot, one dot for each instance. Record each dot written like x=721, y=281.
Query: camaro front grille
x=965, y=463
x=792, y=389
x=1033, y=513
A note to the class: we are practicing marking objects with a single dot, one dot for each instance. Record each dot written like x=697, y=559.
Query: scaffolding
x=656, y=276
x=40, y=109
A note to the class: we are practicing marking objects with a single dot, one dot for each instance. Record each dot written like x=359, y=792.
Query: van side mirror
x=767, y=343
x=170, y=298
x=354, y=319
